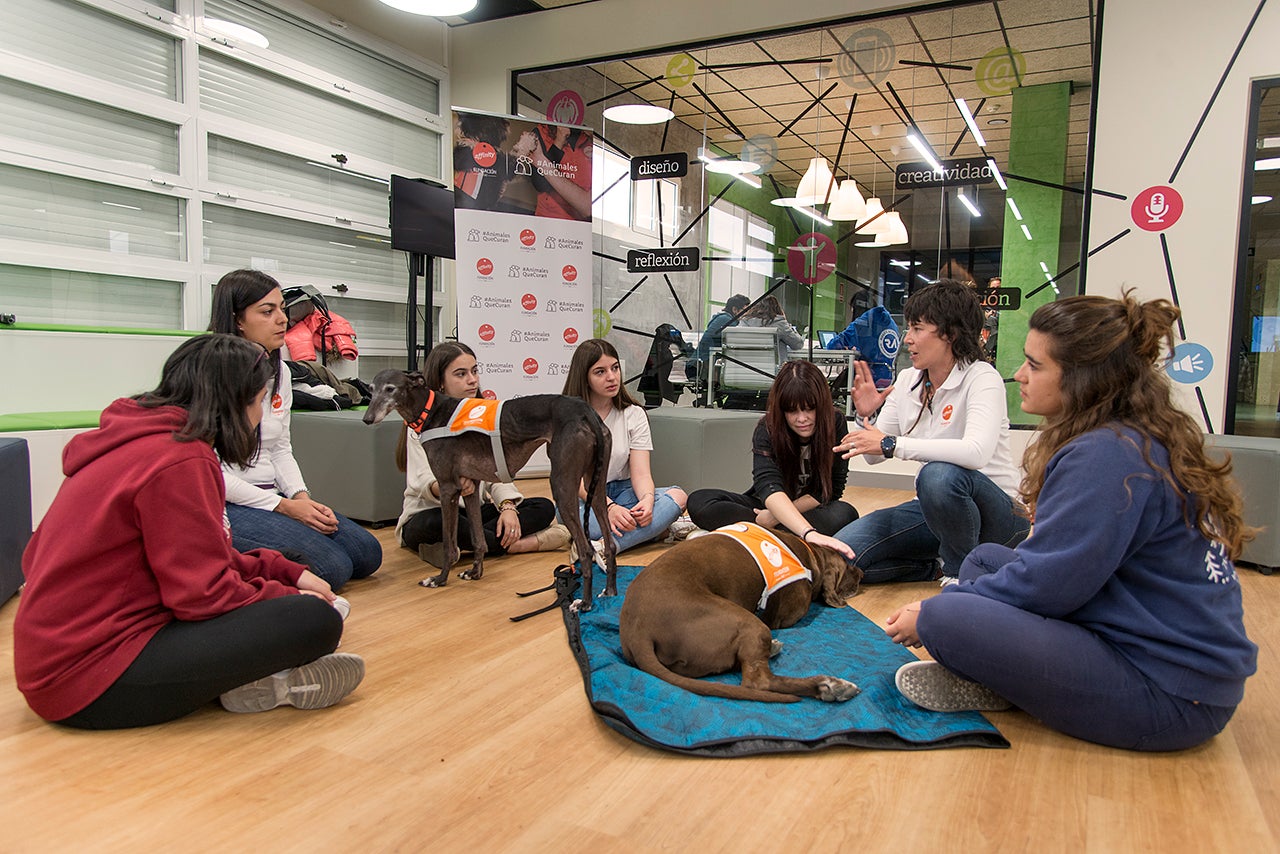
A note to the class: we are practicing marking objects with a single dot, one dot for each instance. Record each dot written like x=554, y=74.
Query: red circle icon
x=528, y=302
x=569, y=272
x=811, y=258
x=486, y=332
x=277, y=402
x=530, y=365
x=1156, y=208
x=489, y=394
x=527, y=237
x=484, y=266
x=571, y=336
x=483, y=154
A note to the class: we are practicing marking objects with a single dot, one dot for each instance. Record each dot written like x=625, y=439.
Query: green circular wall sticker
x=602, y=322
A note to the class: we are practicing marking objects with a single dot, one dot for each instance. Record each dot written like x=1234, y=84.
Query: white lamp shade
x=874, y=208
x=638, y=114
x=816, y=183
x=848, y=203
x=437, y=8
x=896, y=231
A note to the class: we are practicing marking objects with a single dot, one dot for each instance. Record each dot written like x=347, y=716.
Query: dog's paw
x=576, y=605
x=471, y=574
x=833, y=690
x=433, y=581
x=775, y=647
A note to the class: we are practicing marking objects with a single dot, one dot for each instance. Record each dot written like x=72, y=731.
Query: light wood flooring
x=472, y=733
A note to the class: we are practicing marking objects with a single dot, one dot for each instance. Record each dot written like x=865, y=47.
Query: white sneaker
x=931, y=686
x=342, y=606
x=948, y=581
x=695, y=533
x=682, y=528
x=597, y=546
x=315, y=685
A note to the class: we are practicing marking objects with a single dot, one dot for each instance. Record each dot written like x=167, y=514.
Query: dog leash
x=564, y=582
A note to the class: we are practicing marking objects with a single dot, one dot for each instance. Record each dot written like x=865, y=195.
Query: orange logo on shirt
x=277, y=402
x=947, y=412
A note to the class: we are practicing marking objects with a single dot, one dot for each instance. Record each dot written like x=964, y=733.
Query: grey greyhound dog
x=577, y=445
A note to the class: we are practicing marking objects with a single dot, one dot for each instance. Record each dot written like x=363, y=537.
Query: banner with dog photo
x=522, y=199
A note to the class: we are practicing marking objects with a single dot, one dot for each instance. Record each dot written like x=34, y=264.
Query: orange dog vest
x=476, y=415
x=778, y=564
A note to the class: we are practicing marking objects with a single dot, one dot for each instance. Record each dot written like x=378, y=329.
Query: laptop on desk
x=825, y=338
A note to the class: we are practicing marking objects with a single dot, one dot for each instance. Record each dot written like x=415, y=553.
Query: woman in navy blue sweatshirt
x=1119, y=620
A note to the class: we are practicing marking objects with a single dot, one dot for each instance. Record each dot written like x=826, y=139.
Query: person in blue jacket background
x=1119, y=620
x=875, y=335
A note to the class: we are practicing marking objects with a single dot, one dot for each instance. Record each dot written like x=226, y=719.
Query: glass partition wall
x=837, y=168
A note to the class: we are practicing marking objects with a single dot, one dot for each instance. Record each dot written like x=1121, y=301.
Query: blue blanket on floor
x=834, y=641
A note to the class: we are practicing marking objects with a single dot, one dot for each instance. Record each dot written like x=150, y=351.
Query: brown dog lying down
x=691, y=613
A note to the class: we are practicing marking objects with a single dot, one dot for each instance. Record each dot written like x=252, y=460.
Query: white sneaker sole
x=932, y=686
x=315, y=685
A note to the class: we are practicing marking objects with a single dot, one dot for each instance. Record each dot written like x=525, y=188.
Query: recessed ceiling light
x=637, y=114
x=997, y=122
x=1261, y=200
x=436, y=8
x=237, y=32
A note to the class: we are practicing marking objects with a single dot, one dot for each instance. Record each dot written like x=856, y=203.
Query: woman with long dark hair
x=512, y=523
x=267, y=500
x=137, y=610
x=797, y=480
x=1120, y=620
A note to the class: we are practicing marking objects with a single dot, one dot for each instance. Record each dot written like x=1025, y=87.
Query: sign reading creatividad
x=955, y=173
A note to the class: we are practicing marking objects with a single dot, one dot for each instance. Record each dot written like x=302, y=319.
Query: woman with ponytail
x=1119, y=621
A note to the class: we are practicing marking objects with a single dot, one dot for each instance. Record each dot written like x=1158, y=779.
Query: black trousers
x=715, y=508
x=188, y=664
x=428, y=526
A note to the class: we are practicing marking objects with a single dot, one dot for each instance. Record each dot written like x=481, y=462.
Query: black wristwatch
x=888, y=445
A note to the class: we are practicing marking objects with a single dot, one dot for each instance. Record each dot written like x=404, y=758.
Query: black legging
x=428, y=526
x=188, y=664
x=715, y=508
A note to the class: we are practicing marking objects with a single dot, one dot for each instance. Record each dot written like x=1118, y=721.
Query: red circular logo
x=569, y=272
x=483, y=154
x=529, y=302
x=811, y=258
x=277, y=401
x=489, y=394
x=484, y=266
x=527, y=237
x=571, y=336
x=486, y=332
x=1156, y=208
x=530, y=365
x=947, y=412
x=566, y=107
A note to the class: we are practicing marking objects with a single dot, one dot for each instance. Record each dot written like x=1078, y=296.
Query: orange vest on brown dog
x=778, y=564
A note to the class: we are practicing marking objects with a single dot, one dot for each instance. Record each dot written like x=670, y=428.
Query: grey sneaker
x=682, y=528
x=315, y=685
x=931, y=686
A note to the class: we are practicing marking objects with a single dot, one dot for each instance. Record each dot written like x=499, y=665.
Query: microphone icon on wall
x=1157, y=208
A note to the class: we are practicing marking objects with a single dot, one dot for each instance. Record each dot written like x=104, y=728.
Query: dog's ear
x=835, y=571
x=415, y=379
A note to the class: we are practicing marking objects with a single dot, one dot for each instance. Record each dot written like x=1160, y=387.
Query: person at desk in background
x=1120, y=620
x=713, y=335
x=797, y=480
x=874, y=334
x=947, y=411
x=768, y=313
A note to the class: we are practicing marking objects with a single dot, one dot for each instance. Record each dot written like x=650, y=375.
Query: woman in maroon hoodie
x=137, y=610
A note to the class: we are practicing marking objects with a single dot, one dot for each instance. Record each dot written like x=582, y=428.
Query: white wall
x=1160, y=65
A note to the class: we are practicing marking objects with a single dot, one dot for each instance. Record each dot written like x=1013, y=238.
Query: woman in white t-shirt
x=947, y=411
x=638, y=511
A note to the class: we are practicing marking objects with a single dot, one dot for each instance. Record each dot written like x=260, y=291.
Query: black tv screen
x=421, y=217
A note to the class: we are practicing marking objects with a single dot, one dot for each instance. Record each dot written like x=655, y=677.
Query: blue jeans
x=665, y=511
x=955, y=510
x=349, y=552
x=1057, y=671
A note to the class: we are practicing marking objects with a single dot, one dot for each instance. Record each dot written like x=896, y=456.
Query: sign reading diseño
x=653, y=166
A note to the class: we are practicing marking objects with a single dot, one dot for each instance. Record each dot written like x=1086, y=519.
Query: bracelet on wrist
x=805, y=535
x=506, y=505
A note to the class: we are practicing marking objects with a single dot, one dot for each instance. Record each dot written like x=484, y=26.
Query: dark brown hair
x=215, y=378
x=1110, y=352
x=953, y=307
x=588, y=353
x=801, y=385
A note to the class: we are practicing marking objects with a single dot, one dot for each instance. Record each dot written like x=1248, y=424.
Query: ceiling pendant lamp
x=873, y=210
x=817, y=187
x=637, y=114
x=895, y=233
x=848, y=204
x=435, y=8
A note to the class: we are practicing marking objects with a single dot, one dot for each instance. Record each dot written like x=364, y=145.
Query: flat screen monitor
x=421, y=217
x=824, y=339
x=1266, y=334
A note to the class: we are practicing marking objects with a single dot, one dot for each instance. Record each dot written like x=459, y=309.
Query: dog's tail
x=647, y=660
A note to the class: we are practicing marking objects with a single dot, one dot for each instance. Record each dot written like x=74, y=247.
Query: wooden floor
x=472, y=733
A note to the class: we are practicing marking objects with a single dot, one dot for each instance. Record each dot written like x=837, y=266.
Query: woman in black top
x=797, y=479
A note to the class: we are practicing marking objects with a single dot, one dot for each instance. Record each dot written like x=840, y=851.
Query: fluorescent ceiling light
x=437, y=8
x=1267, y=164
x=750, y=181
x=995, y=171
x=1260, y=200
x=925, y=151
x=1013, y=206
x=636, y=114
x=236, y=32
x=119, y=205
x=973, y=209
x=787, y=202
x=1044, y=266
x=973, y=125
x=1026, y=231
x=813, y=215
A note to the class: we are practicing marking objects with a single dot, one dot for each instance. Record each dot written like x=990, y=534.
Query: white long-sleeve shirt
x=967, y=424
x=274, y=465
